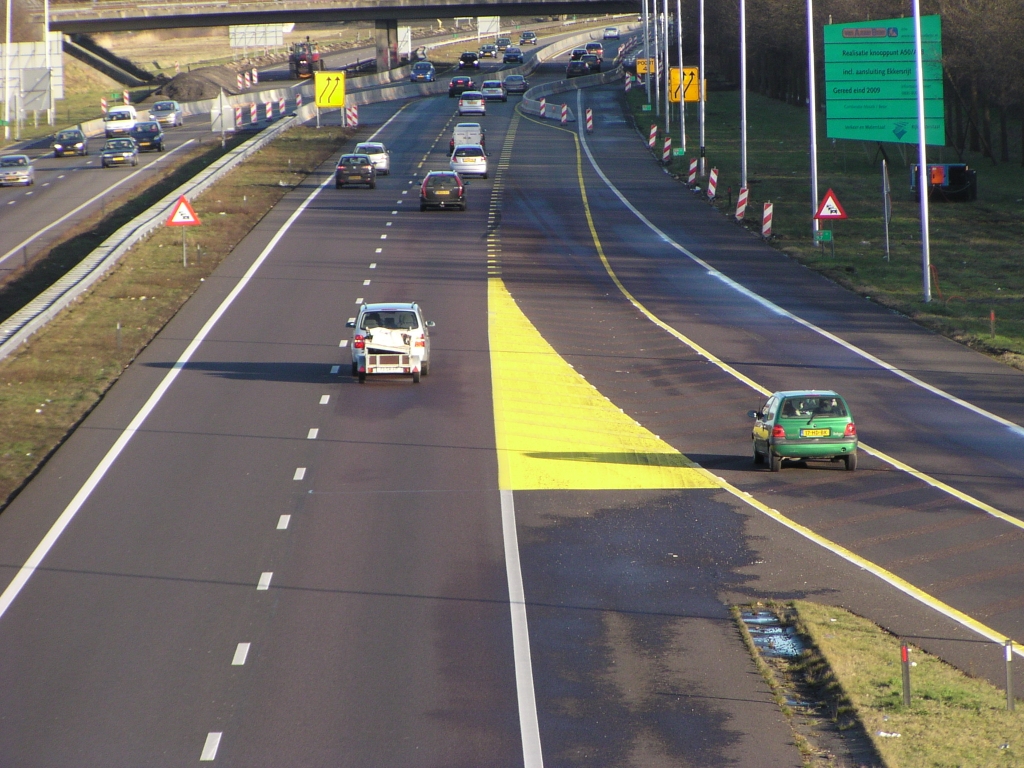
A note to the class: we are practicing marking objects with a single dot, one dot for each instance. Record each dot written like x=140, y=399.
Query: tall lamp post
x=812, y=106
x=682, y=84
x=743, y=94
x=7, y=73
x=647, y=52
x=701, y=95
x=922, y=152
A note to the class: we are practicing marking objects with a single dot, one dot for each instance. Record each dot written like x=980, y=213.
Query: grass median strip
x=51, y=383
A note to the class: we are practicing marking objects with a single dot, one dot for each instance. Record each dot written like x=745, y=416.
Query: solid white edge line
x=775, y=308
x=90, y=201
x=528, y=726
x=210, y=747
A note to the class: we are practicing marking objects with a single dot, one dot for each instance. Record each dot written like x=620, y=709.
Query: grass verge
x=976, y=248
x=51, y=383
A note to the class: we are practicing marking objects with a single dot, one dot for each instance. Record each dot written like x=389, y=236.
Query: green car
x=801, y=425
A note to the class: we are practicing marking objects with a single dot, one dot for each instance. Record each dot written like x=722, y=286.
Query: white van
x=467, y=133
x=119, y=121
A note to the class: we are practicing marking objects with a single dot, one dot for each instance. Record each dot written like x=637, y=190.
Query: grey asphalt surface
x=384, y=637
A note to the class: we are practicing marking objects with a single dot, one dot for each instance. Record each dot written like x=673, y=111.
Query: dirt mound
x=200, y=84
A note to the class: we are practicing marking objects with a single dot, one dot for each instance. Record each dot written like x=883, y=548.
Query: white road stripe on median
x=241, y=652
x=264, y=583
x=325, y=399
x=282, y=522
x=210, y=747
x=313, y=432
x=300, y=473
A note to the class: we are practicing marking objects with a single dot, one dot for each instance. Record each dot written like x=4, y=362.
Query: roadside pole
x=223, y=139
x=743, y=93
x=7, y=73
x=668, y=65
x=657, y=61
x=46, y=42
x=701, y=94
x=922, y=151
x=886, y=204
x=647, y=52
x=682, y=85
x=812, y=106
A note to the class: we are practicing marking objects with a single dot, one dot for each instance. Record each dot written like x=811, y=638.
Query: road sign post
x=329, y=89
x=183, y=215
x=829, y=210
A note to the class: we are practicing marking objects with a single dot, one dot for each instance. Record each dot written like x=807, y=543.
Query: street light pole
x=682, y=83
x=668, y=66
x=7, y=73
x=922, y=153
x=812, y=106
x=743, y=94
x=647, y=52
x=701, y=95
x=657, y=60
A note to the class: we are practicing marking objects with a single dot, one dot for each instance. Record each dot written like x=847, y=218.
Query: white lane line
x=401, y=201
x=359, y=300
x=93, y=199
x=405, y=191
x=394, y=213
x=775, y=308
x=313, y=432
x=241, y=652
x=300, y=473
x=366, y=282
x=46, y=183
x=379, y=250
x=373, y=265
x=10, y=202
x=282, y=522
x=386, y=225
x=383, y=237
x=210, y=747
x=325, y=399
x=528, y=727
x=343, y=343
x=264, y=583
x=351, y=320
x=29, y=193
x=335, y=368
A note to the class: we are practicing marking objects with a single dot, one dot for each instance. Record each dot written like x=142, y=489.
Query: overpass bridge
x=118, y=15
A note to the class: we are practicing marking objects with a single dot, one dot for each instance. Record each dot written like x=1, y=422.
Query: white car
x=119, y=121
x=167, y=113
x=472, y=103
x=17, y=169
x=379, y=155
x=469, y=160
x=611, y=33
x=390, y=338
x=493, y=90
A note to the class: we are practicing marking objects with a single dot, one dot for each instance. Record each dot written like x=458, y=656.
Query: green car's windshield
x=813, y=408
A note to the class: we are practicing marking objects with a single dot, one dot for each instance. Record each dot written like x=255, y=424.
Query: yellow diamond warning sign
x=183, y=215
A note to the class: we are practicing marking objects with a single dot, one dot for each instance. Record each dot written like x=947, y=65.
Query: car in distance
x=577, y=69
x=460, y=84
x=355, y=169
x=611, y=33
x=442, y=189
x=493, y=90
x=70, y=142
x=528, y=38
x=801, y=425
x=469, y=60
x=595, y=48
x=467, y=133
x=472, y=103
x=593, y=63
x=17, y=169
x=119, y=151
x=469, y=160
x=513, y=55
x=119, y=121
x=148, y=135
x=489, y=50
x=503, y=43
x=422, y=72
x=167, y=113
x=515, y=84
x=379, y=155
x=577, y=54
x=390, y=339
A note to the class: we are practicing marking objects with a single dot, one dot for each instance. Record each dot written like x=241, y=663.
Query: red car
x=460, y=84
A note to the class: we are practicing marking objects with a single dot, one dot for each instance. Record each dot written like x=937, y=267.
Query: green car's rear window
x=818, y=407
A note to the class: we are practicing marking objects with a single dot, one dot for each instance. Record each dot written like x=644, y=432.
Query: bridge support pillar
x=387, y=44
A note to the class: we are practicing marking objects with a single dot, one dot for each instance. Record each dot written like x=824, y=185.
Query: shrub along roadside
x=51, y=383
x=976, y=247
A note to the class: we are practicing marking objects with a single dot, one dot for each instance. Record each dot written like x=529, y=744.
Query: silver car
x=469, y=160
x=472, y=103
x=167, y=113
x=390, y=338
x=17, y=169
x=379, y=155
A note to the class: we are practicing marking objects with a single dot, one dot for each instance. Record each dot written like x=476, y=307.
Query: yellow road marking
x=888, y=576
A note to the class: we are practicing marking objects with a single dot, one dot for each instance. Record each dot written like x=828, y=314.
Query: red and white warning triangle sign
x=830, y=207
x=183, y=215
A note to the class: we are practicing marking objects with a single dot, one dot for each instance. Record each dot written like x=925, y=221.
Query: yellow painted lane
x=555, y=431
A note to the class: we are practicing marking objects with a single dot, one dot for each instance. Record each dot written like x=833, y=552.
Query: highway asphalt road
x=284, y=567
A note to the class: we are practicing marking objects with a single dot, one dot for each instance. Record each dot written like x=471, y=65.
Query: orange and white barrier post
x=543, y=106
x=252, y=112
x=691, y=179
x=127, y=98
x=247, y=80
x=666, y=151
x=712, y=183
x=565, y=114
x=652, y=140
x=238, y=116
x=255, y=76
x=298, y=101
x=590, y=120
x=281, y=106
x=741, y=204
x=629, y=82
x=103, y=106
x=766, y=221
x=352, y=116
x=268, y=107
x=238, y=81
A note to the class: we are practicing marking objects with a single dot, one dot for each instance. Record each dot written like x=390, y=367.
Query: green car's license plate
x=815, y=432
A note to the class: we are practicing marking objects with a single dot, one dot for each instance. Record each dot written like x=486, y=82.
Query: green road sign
x=678, y=151
x=645, y=108
x=823, y=236
x=871, y=81
x=4, y=123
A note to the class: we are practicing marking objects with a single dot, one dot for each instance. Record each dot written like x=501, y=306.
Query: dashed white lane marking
x=383, y=237
x=343, y=343
x=405, y=191
x=46, y=184
x=282, y=522
x=379, y=250
x=11, y=202
x=210, y=747
x=241, y=651
x=366, y=282
x=351, y=320
x=300, y=472
x=386, y=225
x=264, y=582
x=61, y=176
x=313, y=432
x=325, y=399
x=401, y=201
x=359, y=300
x=373, y=265
x=394, y=213
x=335, y=368
x=29, y=193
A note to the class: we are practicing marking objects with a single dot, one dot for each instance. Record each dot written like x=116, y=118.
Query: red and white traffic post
x=691, y=179
x=183, y=215
x=565, y=114
x=628, y=82
x=252, y=112
x=741, y=204
x=590, y=120
x=255, y=76
x=247, y=80
x=238, y=116
x=298, y=101
x=766, y=221
x=543, y=106
x=666, y=151
x=352, y=116
x=282, y=105
x=653, y=138
x=127, y=98
x=712, y=184
x=103, y=106
x=268, y=107
x=238, y=81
